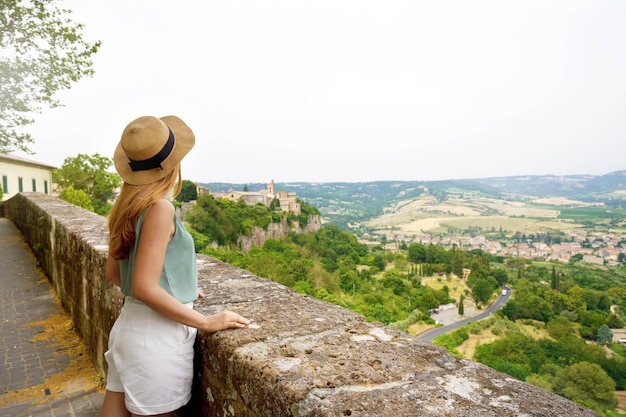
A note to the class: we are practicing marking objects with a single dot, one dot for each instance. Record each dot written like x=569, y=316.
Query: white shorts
x=150, y=359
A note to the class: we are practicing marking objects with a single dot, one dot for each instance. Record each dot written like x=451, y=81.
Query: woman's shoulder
x=162, y=208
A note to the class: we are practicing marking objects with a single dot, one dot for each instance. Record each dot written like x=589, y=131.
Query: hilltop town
x=287, y=201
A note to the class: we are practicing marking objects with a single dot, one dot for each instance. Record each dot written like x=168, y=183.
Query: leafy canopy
x=89, y=174
x=41, y=52
x=77, y=197
x=188, y=192
x=587, y=384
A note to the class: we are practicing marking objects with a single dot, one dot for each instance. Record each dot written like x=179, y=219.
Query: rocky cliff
x=258, y=236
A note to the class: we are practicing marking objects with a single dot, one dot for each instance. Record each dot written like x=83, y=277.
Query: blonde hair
x=131, y=202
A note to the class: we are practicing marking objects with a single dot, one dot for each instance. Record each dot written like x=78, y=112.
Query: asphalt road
x=438, y=331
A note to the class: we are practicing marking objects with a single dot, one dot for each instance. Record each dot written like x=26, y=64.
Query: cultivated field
x=429, y=215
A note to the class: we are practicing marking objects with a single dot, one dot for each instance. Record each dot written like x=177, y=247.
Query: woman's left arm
x=112, y=271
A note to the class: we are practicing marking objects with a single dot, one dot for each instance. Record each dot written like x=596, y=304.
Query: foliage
x=615, y=367
x=413, y=317
x=76, y=197
x=452, y=340
x=549, y=363
x=517, y=354
x=275, y=205
x=332, y=265
x=89, y=174
x=538, y=302
x=43, y=52
x=559, y=328
x=188, y=192
x=200, y=241
x=223, y=221
x=587, y=384
x=605, y=335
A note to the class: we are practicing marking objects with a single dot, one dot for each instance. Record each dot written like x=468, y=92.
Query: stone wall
x=299, y=357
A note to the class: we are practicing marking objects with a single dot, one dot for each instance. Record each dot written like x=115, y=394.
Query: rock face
x=258, y=236
x=299, y=357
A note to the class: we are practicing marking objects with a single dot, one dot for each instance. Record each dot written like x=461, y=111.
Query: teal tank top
x=179, y=274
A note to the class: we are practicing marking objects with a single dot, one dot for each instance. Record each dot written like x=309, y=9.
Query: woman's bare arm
x=112, y=271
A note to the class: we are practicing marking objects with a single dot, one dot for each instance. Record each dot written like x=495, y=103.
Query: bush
x=453, y=339
x=200, y=241
x=415, y=316
x=77, y=197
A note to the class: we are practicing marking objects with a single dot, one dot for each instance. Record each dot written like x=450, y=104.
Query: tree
x=482, y=288
x=500, y=276
x=461, y=306
x=298, y=270
x=559, y=328
x=200, y=241
x=555, y=283
x=417, y=253
x=42, y=52
x=614, y=322
x=189, y=192
x=76, y=197
x=605, y=335
x=89, y=173
x=379, y=262
x=587, y=384
x=275, y=204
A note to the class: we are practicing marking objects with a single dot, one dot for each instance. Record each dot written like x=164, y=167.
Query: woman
x=152, y=259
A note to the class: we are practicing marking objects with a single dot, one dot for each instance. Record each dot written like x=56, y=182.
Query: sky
x=355, y=91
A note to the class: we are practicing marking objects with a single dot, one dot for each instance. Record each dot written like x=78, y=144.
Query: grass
x=456, y=286
x=485, y=335
x=592, y=213
x=427, y=214
x=619, y=349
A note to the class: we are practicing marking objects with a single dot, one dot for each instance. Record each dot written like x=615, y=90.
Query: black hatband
x=155, y=161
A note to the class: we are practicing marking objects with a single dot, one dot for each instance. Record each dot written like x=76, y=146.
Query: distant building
x=444, y=307
x=619, y=335
x=24, y=175
x=200, y=189
x=466, y=273
x=287, y=200
x=592, y=259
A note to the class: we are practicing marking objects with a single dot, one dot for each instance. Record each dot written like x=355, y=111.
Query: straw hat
x=151, y=147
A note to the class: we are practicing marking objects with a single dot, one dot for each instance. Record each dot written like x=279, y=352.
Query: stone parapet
x=299, y=357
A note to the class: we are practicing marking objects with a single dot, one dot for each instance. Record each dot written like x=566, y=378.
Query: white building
x=24, y=175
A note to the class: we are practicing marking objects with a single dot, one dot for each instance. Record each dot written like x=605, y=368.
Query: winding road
x=495, y=306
